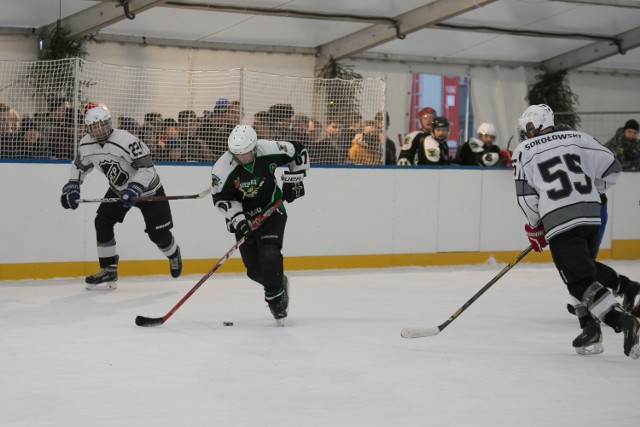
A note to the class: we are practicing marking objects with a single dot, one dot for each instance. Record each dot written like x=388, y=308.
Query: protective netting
x=186, y=115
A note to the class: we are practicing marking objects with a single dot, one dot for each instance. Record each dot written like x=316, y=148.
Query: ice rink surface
x=75, y=358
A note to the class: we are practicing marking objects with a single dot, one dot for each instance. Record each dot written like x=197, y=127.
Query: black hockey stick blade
x=149, y=321
x=430, y=332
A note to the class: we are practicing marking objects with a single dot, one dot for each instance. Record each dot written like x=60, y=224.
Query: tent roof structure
x=554, y=34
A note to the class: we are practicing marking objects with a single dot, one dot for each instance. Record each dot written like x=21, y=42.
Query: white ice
x=71, y=357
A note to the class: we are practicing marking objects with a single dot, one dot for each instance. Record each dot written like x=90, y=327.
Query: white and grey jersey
x=123, y=159
x=559, y=178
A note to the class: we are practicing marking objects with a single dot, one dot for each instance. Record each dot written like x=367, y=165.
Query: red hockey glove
x=506, y=156
x=536, y=237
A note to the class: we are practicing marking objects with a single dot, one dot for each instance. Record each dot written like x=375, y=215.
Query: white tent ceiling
x=569, y=34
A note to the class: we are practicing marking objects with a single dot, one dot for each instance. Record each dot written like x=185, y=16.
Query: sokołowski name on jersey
x=551, y=137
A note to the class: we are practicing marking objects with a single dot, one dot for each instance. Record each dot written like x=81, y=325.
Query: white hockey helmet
x=98, y=122
x=534, y=119
x=487, y=129
x=243, y=142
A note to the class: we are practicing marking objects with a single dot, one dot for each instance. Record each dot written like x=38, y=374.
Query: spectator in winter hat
x=221, y=107
x=625, y=146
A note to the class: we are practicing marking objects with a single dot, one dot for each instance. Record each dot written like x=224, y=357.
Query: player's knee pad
x=578, y=288
x=254, y=274
x=268, y=266
x=270, y=255
x=104, y=228
x=162, y=238
x=271, y=263
x=607, y=276
x=599, y=300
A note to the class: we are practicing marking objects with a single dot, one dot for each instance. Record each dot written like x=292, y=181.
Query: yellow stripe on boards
x=620, y=249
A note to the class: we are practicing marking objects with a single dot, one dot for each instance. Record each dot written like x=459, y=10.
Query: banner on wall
x=450, y=107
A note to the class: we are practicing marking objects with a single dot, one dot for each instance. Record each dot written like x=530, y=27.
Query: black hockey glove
x=133, y=190
x=241, y=225
x=70, y=195
x=292, y=185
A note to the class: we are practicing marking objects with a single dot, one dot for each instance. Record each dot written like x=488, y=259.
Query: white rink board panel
x=344, y=211
x=501, y=220
x=459, y=202
x=624, y=206
x=414, y=200
x=347, y=211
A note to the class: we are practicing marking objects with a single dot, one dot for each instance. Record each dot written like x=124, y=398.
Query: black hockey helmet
x=440, y=122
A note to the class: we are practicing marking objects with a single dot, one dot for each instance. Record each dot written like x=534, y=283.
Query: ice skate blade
x=280, y=322
x=105, y=286
x=596, y=348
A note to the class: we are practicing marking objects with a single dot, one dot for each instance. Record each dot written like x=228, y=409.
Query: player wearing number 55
x=127, y=164
x=559, y=177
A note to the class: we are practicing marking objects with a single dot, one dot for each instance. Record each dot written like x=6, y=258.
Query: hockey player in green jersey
x=244, y=185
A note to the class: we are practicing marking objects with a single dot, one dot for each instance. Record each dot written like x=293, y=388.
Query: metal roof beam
x=198, y=44
x=593, y=52
x=409, y=22
x=101, y=15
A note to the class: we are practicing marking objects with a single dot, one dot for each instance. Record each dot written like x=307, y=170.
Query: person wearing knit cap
x=633, y=126
x=625, y=145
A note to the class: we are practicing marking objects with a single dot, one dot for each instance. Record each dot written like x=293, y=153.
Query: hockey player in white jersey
x=559, y=177
x=127, y=165
x=243, y=186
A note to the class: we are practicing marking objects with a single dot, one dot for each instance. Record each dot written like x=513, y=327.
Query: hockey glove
x=241, y=225
x=133, y=190
x=70, y=195
x=536, y=237
x=292, y=185
x=506, y=155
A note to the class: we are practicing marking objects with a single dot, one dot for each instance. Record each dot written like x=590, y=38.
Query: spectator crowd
x=347, y=139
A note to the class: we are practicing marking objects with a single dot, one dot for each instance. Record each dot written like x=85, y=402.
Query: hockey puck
x=227, y=323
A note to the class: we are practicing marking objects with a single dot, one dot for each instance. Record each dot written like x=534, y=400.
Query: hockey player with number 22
x=244, y=186
x=127, y=165
x=559, y=176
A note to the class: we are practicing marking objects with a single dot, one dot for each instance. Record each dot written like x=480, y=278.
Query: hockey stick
x=157, y=321
x=200, y=195
x=429, y=332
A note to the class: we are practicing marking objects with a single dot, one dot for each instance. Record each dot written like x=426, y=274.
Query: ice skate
x=590, y=339
x=104, y=279
x=630, y=326
x=279, y=303
x=175, y=263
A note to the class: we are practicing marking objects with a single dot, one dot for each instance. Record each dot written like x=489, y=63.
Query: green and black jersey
x=253, y=188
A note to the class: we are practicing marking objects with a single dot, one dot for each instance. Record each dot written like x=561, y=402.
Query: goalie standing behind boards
x=243, y=186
